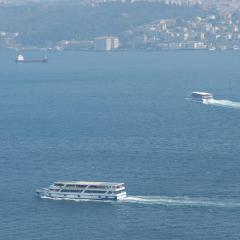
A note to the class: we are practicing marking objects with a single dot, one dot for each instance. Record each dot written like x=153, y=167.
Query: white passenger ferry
x=203, y=97
x=84, y=190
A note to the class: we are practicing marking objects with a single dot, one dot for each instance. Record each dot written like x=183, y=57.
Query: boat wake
x=223, y=103
x=164, y=201
x=181, y=201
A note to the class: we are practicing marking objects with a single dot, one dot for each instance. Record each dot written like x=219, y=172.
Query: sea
x=121, y=117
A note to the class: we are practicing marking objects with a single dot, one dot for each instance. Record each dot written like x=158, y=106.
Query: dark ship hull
x=45, y=60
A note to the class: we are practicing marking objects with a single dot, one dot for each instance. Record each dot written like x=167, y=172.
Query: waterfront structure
x=82, y=45
x=115, y=42
x=106, y=43
x=103, y=43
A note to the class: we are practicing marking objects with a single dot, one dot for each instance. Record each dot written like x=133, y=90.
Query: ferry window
x=81, y=186
x=98, y=187
x=75, y=191
x=58, y=184
x=90, y=191
x=54, y=190
x=69, y=190
x=119, y=191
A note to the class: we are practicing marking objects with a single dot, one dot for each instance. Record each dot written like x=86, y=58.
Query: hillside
x=46, y=24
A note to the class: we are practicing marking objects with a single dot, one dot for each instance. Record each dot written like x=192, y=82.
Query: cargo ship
x=21, y=59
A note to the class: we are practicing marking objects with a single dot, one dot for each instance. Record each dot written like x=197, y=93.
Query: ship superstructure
x=203, y=97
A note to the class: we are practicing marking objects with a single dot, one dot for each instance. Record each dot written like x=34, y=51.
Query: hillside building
x=106, y=43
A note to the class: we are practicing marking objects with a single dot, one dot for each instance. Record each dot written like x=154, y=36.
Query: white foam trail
x=181, y=201
x=223, y=103
x=164, y=201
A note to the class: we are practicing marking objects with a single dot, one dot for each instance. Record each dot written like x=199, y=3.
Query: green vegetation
x=45, y=24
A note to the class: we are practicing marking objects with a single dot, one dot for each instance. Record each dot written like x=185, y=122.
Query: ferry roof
x=90, y=183
x=202, y=93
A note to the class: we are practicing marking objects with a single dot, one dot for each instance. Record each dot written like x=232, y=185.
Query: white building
x=115, y=42
x=103, y=43
x=106, y=43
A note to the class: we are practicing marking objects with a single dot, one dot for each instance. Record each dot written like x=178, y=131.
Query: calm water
x=121, y=117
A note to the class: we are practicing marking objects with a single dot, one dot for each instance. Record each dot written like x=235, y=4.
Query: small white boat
x=212, y=49
x=74, y=190
x=202, y=97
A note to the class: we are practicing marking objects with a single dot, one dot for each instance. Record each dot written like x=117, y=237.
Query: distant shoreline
x=116, y=51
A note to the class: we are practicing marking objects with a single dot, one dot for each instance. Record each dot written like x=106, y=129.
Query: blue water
x=121, y=117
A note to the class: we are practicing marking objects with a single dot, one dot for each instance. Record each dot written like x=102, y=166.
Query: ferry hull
x=204, y=101
x=32, y=61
